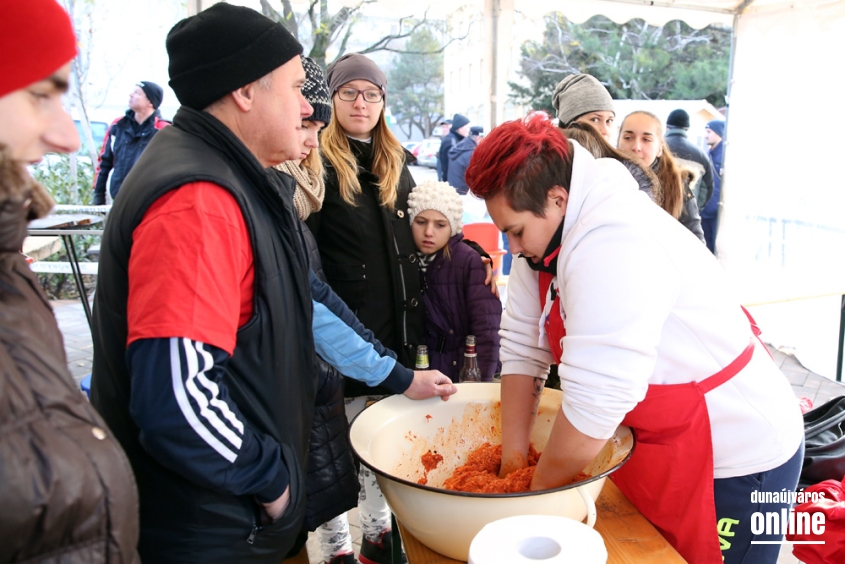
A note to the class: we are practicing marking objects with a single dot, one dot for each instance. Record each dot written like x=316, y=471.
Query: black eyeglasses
x=348, y=94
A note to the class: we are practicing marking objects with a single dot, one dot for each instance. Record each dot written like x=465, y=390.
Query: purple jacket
x=459, y=304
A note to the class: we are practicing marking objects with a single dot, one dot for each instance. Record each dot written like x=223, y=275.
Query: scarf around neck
x=310, y=188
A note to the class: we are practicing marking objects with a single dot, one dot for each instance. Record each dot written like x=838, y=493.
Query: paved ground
x=79, y=351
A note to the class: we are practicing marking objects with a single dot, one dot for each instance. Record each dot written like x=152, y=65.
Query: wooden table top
x=628, y=536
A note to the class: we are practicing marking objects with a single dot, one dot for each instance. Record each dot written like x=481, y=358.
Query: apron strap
x=756, y=330
x=729, y=371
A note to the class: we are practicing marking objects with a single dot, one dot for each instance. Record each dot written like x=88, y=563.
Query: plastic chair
x=486, y=235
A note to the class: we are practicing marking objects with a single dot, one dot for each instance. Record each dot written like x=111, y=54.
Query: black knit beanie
x=153, y=92
x=678, y=118
x=316, y=91
x=222, y=49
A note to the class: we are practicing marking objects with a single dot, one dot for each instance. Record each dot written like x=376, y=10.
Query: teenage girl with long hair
x=641, y=134
x=367, y=248
x=344, y=347
x=591, y=139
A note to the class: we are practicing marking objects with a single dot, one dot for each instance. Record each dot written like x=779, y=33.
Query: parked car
x=426, y=152
x=98, y=132
x=410, y=145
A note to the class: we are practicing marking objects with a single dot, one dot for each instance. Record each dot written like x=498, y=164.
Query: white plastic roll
x=537, y=539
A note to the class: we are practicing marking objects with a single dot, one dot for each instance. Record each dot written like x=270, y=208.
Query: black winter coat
x=371, y=262
x=459, y=156
x=682, y=148
x=331, y=485
x=446, y=145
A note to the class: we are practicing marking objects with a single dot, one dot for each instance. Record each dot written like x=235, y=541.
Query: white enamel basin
x=391, y=436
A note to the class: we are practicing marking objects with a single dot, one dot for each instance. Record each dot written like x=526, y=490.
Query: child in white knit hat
x=457, y=301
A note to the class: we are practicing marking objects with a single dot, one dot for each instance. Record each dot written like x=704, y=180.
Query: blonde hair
x=668, y=172
x=388, y=159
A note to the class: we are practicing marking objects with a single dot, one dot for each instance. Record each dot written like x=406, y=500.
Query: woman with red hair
x=646, y=332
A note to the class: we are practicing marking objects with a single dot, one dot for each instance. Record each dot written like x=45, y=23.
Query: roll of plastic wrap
x=537, y=539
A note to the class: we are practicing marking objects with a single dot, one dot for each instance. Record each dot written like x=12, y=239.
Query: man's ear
x=244, y=96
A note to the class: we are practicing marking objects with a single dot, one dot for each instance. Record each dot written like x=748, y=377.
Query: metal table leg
x=77, y=276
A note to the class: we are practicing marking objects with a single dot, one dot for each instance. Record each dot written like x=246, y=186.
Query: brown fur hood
x=22, y=199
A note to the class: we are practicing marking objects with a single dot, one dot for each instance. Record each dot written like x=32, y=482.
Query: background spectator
x=126, y=138
x=714, y=134
x=459, y=156
x=444, y=126
x=457, y=131
x=688, y=155
x=582, y=98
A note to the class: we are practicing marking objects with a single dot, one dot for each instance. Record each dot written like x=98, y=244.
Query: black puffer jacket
x=371, y=262
x=67, y=493
x=331, y=485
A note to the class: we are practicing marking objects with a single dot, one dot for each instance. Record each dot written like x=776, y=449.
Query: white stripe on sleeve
x=185, y=404
x=212, y=387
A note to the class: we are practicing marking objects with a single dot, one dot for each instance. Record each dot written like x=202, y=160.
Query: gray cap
x=354, y=66
x=579, y=94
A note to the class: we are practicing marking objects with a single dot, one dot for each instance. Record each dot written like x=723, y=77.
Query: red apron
x=670, y=476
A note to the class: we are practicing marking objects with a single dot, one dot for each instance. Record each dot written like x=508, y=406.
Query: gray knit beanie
x=438, y=196
x=354, y=66
x=579, y=94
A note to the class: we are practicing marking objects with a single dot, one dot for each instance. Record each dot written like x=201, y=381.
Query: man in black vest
x=203, y=354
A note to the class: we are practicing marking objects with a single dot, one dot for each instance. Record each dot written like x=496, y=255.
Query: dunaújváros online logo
x=787, y=521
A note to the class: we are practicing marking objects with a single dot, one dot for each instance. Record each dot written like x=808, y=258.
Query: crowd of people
x=270, y=267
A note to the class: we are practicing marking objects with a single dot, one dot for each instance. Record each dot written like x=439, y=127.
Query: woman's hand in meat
x=511, y=462
x=430, y=383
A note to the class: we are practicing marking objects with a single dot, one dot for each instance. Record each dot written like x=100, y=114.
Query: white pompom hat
x=438, y=196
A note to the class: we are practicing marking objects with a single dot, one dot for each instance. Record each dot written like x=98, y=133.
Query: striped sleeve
x=190, y=424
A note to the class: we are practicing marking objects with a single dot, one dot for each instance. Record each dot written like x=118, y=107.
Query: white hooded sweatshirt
x=644, y=302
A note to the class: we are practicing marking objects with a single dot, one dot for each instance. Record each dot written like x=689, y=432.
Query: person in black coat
x=677, y=126
x=459, y=156
x=126, y=139
x=459, y=130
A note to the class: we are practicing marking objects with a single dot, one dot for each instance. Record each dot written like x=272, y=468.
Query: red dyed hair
x=524, y=159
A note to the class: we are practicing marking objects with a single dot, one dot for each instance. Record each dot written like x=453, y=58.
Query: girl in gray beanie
x=582, y=98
